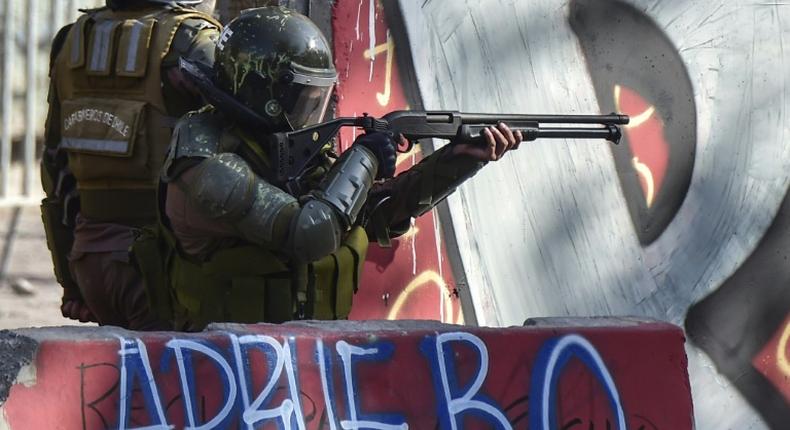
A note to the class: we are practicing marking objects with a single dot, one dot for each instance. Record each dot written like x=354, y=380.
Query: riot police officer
x=115, y=95
x=241, y=248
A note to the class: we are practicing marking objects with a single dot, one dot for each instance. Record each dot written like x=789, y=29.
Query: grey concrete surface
x=16, y=351
x=29, y=259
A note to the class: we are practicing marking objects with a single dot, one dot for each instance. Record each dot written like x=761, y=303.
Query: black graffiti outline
x=82, y=367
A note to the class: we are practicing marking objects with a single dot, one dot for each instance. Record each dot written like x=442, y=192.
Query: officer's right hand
x=382, y=145
x=498, y=141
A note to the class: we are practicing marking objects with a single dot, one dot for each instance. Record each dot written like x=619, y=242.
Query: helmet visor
x=307, y=105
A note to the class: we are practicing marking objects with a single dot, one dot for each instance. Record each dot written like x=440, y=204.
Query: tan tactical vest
x=114, y=123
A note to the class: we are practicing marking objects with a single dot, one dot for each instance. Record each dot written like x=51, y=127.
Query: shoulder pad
x=188, y=31
x=194, y=34
x=197, y=24
x=196, y=135
x=94, y=10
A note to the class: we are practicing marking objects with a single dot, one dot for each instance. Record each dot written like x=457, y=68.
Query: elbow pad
x=316, y=232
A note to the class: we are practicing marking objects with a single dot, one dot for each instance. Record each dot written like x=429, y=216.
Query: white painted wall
x=546, y=231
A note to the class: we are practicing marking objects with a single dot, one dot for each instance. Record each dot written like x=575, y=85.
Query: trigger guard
x=409, y=146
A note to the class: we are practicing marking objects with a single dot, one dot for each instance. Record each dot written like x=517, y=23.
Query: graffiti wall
x=686, y=208
x=744, y=325
x=552, y=375
x=412, y=278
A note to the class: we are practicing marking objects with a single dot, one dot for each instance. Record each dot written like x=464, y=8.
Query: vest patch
x=101, y=126
x=99, y=116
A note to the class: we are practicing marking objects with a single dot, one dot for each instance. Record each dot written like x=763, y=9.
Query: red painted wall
x=403, y=375
x=412, y=279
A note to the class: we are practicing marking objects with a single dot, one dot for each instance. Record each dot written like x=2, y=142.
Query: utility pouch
x=60, y=239
x=335, y=278
x=152, y=253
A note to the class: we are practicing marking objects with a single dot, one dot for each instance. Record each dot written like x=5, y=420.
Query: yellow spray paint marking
x=425, y=278
x=641, y=168
x=781, y=352
x=636, y=120
x=644, y=172
x=369, y=54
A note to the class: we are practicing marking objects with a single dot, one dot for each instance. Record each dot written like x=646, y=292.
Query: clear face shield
x=299, y=99
x=309, y=106
x=307, y=97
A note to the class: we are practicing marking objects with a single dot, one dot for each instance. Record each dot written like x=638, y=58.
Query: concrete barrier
x=551, y=374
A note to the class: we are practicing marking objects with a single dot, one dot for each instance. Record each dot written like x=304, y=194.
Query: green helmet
x=277, y=63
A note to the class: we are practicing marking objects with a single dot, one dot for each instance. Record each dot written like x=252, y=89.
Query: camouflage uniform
x=114, y=98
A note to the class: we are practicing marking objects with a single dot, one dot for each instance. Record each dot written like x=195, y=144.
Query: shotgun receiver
x=293, y=151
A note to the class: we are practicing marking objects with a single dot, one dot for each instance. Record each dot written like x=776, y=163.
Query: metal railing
x=27, y=31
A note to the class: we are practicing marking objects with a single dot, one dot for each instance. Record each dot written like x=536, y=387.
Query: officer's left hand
x=77, y=310
x=499, y=140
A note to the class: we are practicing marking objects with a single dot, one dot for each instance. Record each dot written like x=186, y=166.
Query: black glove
x=382, y=145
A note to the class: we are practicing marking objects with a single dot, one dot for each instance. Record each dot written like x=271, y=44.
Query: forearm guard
x=346, y=186
x=329, y=211
x=392, y=204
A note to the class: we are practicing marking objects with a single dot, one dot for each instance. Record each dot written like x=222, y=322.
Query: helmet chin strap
x=287, y=122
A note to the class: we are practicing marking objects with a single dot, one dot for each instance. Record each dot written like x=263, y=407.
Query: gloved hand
x=76, y=309
x=382, y=145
